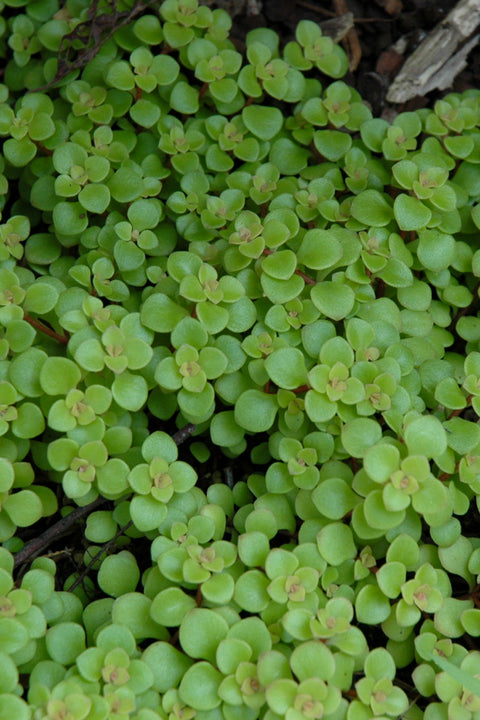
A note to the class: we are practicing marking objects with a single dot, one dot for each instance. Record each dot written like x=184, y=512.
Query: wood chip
x=350, y=42
x=392, y=7
x=337, y=27
x=440, y=57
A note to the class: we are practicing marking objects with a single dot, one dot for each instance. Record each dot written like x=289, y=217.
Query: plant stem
x=63, y=526
x=104, y=547
x=183, y=434
x=45, y=329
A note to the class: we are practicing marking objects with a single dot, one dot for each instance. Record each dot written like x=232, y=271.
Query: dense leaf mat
x=238, y=336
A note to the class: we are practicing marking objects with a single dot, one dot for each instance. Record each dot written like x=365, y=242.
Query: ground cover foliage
x=239, y=338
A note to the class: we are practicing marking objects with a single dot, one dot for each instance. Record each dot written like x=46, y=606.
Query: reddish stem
x=45, y=151
x=46, y=330
x=316, y=153
x=459, y=411
x=307, y=278
x=301, y=389
x=174, y=639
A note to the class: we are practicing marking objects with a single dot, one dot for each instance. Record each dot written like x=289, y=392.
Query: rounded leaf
x=170, y=606
x=333, y=299
x=64, y=642
x=59, y=375
x=371, y=605
x=23, y=507
x=201, y=631
x=319, y=249
x=130, y=391
x=95, y=198
x=336, y=544
x=286, y=367
x=199, y=687
x=360, y=434
x=410, y=213
x=118, y=574
x=264, y=122
x=426, y=436
x=224, y=430
x=255, y=411
x=371, y=208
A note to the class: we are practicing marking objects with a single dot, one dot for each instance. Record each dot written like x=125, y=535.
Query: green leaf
x=425, y=435
x=167, y=664
x=29, y=422
x=59, y=375
x=319, y=250
x=19, y=152
x=371, y=605
x=14, y=707
x=159, y=444
x=251, y=591
x=199, y=687
x=24, y=508
x=280, y=264
x=336, y=544
x=160, y=313
x=118, y=574
x=201, y=631
x=410, y=213
x=436, y=250
x=371, y=208
x=333, y=299
x=262, y=121
x=286, y=367
x=224, y=430
x=334, y=498
x=70, y=218
x=184, y=98
x=255, y=411
x=332, y=144
x=125, y=185
x=360, y=434
x=94, y=197
x=380, y=461
x=448, y=394
x=461, y=676
x=147, y=514
x=170, y=606
x=120, y=76
x=288, y=157
x=64, y=642
x=130, y=391
x=7, y=475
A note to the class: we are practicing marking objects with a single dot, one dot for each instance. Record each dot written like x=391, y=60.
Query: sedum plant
x=239, y=344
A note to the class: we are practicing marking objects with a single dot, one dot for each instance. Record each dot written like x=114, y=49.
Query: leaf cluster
x=199, y=242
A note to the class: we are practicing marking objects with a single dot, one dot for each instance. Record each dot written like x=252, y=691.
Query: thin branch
x=93, y=560
x=93, y=33
x=62, y=527
x=45, y=329
x=181, y=435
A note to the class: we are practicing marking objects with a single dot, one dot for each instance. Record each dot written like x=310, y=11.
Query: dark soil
x=378, y=26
